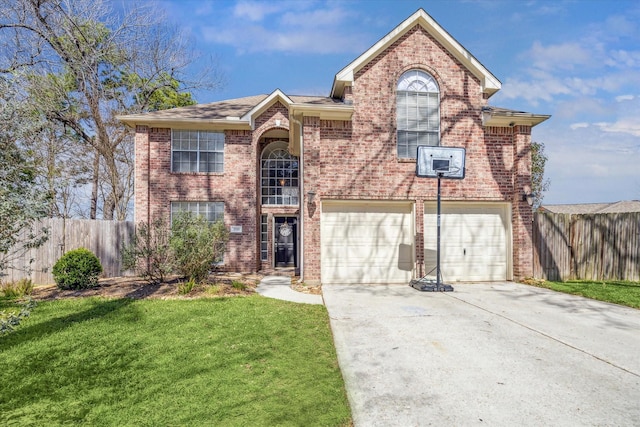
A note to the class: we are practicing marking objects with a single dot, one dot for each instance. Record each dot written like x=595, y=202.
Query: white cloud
x=623, y=125
x=294, y=27
x=581, y=108
x=327, y=18
x=598, y=169
x=575, y=126
x=255, y=11
x=621, y=98
x=588, y=162
x=560, y=56
x=255, y=38
x=618, y=25
x=623, y=58
x=599, y=62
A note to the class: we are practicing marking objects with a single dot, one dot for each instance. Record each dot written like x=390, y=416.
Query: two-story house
x=328, y=185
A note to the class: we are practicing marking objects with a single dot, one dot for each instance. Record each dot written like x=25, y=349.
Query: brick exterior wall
x=157, y=187
x=357, y=160
x=353, y=160
x=237, y=186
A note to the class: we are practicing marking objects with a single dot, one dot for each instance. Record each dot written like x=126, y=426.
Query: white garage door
x=366, y=242
x=475, y=241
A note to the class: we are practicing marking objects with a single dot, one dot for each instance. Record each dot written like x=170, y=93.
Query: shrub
x=149, y=254
x=197, y=245
x=185, y=287
x=17, y=289
x=212, y=290
x=77, y=269
x=238, y=285
x=10, y=320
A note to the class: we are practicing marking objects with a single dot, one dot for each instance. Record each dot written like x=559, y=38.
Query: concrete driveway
x=500, y=354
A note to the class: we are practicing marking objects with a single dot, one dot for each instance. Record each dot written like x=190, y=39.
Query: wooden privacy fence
x=586, y=246
x=103, y=238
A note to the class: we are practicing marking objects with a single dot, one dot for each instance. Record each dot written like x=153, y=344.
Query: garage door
x=366, y=242
x=475, y=241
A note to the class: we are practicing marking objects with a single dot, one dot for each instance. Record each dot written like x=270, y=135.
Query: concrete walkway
x=279, y=287
x=499, y=354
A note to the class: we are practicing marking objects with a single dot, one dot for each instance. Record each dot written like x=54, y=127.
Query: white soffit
x=507, y=118
x=183, y=123
x=490, y=83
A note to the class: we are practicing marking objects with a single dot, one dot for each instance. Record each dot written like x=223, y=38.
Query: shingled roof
x=220, y=110
x=592, y=208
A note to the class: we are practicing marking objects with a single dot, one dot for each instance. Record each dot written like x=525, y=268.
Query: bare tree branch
x=88, y=64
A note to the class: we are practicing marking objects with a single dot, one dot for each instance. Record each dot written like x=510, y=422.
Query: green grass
x=213, y=361
x=618, y=292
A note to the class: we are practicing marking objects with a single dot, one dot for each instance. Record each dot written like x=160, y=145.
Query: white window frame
x=199, y=145
x=264, y=237
x=417, y=113
x=211, y=211
x=279, y=176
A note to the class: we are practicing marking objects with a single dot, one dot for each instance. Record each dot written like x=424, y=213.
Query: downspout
x=149, y=176
x=301, y=199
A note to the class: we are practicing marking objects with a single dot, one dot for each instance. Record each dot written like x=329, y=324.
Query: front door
x=286, y=235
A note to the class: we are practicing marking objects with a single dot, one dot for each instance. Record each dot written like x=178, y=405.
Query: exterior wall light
x=528, y=197
x=311, y=195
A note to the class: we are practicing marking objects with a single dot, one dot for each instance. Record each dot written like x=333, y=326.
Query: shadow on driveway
x=485, y=354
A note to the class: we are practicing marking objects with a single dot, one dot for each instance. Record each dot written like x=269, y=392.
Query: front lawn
x=247, y=361
x=618, y=292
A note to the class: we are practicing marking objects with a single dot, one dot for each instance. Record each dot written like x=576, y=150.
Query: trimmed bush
x=77, y=269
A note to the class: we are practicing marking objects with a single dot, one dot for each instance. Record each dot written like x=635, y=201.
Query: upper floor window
x=418, y=112
x=197, y=151
x=279, y=175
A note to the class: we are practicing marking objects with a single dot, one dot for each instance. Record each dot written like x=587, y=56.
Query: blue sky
x=576, y=60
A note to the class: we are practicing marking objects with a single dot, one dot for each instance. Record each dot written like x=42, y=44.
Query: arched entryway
x=279, y=199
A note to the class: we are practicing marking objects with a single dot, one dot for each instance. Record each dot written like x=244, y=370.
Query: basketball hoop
x=438, y=162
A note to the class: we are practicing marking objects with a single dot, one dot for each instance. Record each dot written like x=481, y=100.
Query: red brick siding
x=313, y=181
x=357, y=160
x=235, y=187
x=141, y=196
x=354, y=160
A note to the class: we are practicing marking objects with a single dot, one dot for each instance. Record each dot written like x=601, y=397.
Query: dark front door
x=286, y=235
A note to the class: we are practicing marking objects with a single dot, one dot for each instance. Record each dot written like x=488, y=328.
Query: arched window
x=279, y=175
x=418, y=112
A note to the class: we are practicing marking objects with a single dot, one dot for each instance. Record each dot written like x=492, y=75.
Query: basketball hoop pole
x=438, y=273
x=439, y=285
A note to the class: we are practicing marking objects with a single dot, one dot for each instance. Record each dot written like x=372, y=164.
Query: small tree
x=197, y=245
x=21, y=202
x=149, y=254
x=538, y=182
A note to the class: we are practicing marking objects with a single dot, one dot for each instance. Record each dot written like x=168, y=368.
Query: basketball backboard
x=440, y=162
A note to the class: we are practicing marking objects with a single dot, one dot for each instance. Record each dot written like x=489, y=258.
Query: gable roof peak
x=490, y=83
x=276, y=95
